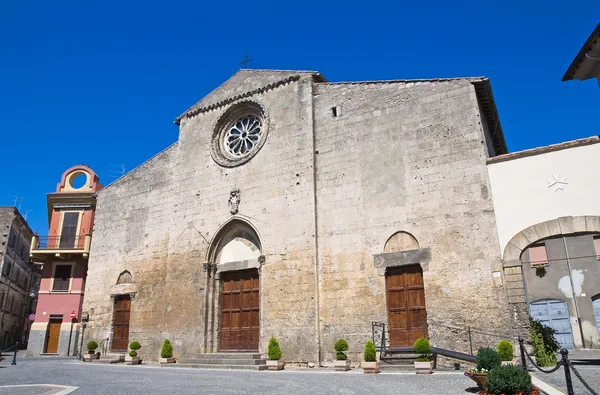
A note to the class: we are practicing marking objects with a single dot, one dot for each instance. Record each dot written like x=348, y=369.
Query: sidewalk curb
x=545, y=387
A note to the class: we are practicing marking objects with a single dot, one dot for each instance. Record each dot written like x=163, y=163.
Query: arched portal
x=236, y=254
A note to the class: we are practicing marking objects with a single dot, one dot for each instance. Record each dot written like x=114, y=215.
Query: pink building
x=63, y=255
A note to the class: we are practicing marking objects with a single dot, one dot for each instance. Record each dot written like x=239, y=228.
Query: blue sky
x=101, y=84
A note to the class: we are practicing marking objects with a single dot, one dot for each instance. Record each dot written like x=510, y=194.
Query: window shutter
x=597, y=244
x=538, y=255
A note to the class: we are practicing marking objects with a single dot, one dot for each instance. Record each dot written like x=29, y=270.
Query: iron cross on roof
x=246, y=61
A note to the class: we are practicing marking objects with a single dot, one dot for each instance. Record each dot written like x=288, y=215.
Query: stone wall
x=323, y=194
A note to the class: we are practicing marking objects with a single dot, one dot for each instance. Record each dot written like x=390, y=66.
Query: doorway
x=53, y=335
x=239, y=329
x=120, y=340
x=407, y=315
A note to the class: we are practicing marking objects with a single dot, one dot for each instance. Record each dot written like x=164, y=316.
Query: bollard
x=565, y=362
x=14, y=361
x=522, y=349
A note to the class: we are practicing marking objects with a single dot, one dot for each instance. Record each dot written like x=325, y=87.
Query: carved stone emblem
x=234, y=201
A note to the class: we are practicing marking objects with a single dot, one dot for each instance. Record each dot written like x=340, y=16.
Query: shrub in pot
x=487, y=359
x=91, y=347
x=509, y=380
x=371, y=364
x=133, y=358
x=507, y=352
x=423, y=364
x=166, y=353
x=274, y=363
x=342, y=363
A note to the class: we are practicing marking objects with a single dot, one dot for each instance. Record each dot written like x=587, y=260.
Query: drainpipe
x=207, y=270
x=573, y=291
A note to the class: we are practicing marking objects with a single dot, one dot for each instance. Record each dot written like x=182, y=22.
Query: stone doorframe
x=116, y=291
x=511, y=257
x=421, y=257
x=213, y=297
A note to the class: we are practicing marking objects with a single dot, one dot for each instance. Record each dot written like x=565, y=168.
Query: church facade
x=304, y=209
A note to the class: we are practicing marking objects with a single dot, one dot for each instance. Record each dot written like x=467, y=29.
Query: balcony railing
x=60, y=244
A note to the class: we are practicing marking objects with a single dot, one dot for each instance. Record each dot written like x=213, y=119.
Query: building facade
x=548, y=220
x=298, y=208
x=63, y=257
x=19, y=278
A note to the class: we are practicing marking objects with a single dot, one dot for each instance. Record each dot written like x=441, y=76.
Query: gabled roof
x=587, y=62
x=247, y=80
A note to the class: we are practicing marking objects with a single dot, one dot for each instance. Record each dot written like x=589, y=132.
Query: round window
x=239, y=134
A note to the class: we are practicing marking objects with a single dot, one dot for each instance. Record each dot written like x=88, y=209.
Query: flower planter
x=275, y=365
x=478, y=378
x=132, y=360
x=424, y=367
x=89, y=357
x=341, y=366
x=513, y=362
x=163, y=361
x=371, y=367
x=535, y=391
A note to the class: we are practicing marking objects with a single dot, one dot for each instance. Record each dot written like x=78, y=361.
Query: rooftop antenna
x=117, y=173
x=18, y=202
x=27, y=212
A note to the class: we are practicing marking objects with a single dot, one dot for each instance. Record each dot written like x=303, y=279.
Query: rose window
x=243, y=136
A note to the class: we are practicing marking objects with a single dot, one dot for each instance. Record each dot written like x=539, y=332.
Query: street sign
x=31, y=317
x=72, y=315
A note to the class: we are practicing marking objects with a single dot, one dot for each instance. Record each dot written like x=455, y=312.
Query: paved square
x=100, y=379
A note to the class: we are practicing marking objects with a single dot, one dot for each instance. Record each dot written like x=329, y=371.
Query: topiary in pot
x=371, y=364
x=487, y=359
x=506, y=351
x=166, y=353
x=423, y=364
x=509, y=380
x=91, y=347
x=274, y=362
x=133, y=358
x=341, y=359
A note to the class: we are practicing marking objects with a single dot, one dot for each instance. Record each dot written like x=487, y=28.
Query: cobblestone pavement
x=591, y=374
x=100, y=379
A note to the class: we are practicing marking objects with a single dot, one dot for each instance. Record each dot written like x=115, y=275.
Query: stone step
x=215, y=366
x=397, y=362
x=222, y=355
x=206, y=361
x=110, y=358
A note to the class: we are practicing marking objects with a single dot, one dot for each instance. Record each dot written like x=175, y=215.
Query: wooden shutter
x=69, y=230
x=597, y=244
x=538, y=255
x=62, y=277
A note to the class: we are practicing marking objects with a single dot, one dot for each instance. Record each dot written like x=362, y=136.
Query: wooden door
x=407, y=317
x=120, y=341
x=53, y=336
x=239, y=330
x=555, y=314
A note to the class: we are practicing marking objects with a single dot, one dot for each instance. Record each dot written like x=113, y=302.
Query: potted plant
x=487, y=359
x=166, y=354
x=509, y=380
x=91, y=347
x=132, y=358
x=371, y=364
x=423, y=364
x=507, y=352
x=274, y=363
x=342, y=363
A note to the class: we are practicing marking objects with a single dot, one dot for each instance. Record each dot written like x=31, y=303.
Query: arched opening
x=236, y=251
x=401, y=241
x=125, y=278
x=596, y=306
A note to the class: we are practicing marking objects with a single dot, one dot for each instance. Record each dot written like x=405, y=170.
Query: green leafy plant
x=508, y=380
x=92, y=346
x=488, y=359
x=422, y=347
x=544, y=343
x=341, y=346
x=134, y=345
x=167, y=349
x=506, y=350
x=274, y=350
x=370, y=354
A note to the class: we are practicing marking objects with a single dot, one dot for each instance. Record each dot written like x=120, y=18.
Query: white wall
x=522, y=195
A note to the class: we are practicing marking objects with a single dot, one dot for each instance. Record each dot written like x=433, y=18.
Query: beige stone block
x=592, y=223
x=566, y=225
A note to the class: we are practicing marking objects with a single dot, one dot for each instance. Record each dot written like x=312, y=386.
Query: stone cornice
x=195, y=111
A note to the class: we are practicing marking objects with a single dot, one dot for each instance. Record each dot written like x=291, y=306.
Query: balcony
x=44, y=247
